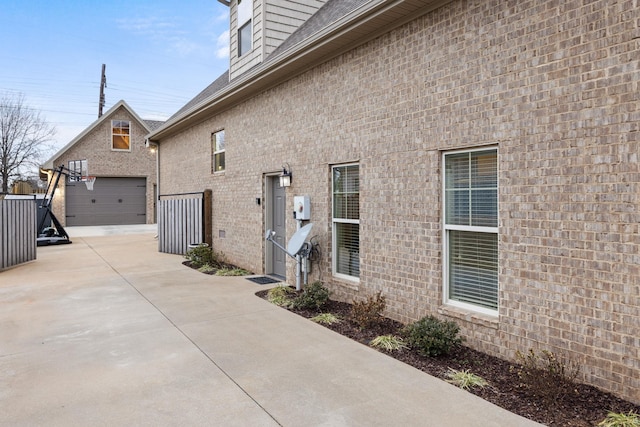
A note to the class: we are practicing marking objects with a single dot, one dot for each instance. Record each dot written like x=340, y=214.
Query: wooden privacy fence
x=17, y=232
x=183, y=219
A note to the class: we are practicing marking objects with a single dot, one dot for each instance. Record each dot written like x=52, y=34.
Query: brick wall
x=95, y=146
x=554, y=85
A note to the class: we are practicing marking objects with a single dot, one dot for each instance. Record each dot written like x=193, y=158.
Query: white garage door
x=113, y=201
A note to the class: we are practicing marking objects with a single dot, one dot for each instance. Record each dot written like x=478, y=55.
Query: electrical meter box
x=302, y=207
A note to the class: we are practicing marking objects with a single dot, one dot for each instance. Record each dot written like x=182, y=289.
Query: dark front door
x=276, y=258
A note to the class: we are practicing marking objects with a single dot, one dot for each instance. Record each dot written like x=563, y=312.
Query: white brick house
x=473, y=160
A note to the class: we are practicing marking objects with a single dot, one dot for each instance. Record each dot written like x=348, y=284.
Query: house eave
x=358, y=27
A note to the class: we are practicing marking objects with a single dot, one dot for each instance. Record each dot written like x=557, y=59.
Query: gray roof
x=153, y=124
x=329, y=13
x=214, y=87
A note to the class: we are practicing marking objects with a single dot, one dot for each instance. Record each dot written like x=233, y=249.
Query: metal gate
x=17, y=232
x=183, y=219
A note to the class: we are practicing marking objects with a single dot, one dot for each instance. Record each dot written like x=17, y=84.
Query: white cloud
x=222, y=45
x=153, y=27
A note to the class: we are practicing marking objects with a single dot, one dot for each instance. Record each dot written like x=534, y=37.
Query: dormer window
x=245, y=29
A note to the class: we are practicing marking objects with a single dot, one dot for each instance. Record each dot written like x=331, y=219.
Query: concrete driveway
x=107, y=331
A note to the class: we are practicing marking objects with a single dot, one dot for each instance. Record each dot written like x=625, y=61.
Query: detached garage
x=113, y=201
x=113, y=149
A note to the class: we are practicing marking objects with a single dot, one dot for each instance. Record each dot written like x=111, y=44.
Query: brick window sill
x=482, y=319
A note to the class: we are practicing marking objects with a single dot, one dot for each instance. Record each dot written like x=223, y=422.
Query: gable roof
x=149, y=125
x=338, y=26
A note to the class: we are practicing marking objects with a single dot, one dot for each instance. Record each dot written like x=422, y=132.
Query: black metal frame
x=55, y=235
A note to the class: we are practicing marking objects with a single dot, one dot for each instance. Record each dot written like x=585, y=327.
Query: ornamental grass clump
x=207, y=269
x=432, y=337
x=388, y=343
x=232, y=272
x=326, y=319
x=465, y=379
x=281, y=295
x=615, y=419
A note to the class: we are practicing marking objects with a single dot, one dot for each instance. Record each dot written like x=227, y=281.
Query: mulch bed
x=580, y=407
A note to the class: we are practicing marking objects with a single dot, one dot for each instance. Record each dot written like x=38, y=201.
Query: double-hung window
x=217, y=151
x=346, y=221
x=120, y=135
x=471, y=229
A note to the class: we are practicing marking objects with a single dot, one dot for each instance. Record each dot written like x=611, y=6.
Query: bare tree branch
x=24, y=139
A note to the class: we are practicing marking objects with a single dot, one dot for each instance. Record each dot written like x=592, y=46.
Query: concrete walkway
x=108, y=332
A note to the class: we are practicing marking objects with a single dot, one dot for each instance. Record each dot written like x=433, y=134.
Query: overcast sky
x=158, y=55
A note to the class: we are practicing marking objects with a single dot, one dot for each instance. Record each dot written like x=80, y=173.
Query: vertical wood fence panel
x=180, y=222
x=17, y=232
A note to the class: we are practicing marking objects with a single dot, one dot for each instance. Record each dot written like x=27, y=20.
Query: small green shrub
x=388, y=342
x=615, y=419
x=200, y=255
x=368, y=313
x=281, y=295
x=326, y=319
x=431, y=336
x=545, y=375
x=232, y=272
x=466, y=380
x=313, y=297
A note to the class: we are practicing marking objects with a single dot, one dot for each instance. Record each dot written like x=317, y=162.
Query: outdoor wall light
x=286, y=176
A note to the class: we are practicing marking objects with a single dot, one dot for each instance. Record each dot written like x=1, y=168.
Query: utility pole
x=103, y=84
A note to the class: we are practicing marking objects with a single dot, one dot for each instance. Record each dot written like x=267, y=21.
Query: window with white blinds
x=346, y=220
x=471, y=229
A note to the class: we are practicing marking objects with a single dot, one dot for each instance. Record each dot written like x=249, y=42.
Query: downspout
x=155, y=146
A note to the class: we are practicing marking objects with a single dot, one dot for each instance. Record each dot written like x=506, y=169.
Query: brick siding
x=554, y=85
x=104, y=162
